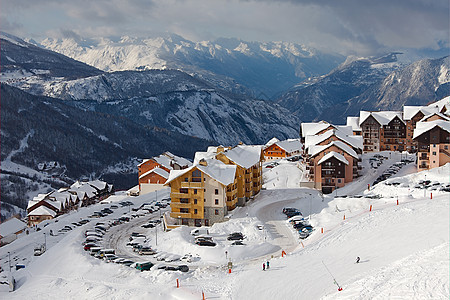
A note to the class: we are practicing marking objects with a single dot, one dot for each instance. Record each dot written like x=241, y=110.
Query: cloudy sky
x=345, y=26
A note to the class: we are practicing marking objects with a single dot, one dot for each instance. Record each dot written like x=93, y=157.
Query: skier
x=264, y=266
x=267, y=264
x=358, y=259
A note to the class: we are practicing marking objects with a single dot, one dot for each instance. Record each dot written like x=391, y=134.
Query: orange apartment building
x=433, y=142
x=281, y=149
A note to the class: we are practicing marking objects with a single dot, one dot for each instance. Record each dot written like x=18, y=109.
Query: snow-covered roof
x=424, y=119
x=356, y=141
x=336, y=155
x=422, y=127
x=271, y=142
x=290, y=145
x=84, y=188
x=314, y=150
x=11, y=226
x=143, y=161
x=101, y=185
x=410, y=111
x=208, y=154
x=167, y=158
x=157, y=170
x=215, y=169
x=181, y=161
x=441, y=103
x=244, y=156
x=354, y=123
x=382, y=117
x=314, y=127
x=42, y=211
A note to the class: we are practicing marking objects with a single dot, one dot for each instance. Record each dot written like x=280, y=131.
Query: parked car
x=235, y=236
x=109, y=257
x=237, y=243
x=146, y=251
x=205, y=243
x=144, y=266
x=148, y=225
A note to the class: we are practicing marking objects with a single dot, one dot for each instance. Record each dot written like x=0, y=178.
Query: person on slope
x=358, y=259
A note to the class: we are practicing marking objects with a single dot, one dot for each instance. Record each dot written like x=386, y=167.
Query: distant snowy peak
x=13, y=39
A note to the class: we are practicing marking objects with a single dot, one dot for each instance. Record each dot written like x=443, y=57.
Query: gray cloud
x=347, y=26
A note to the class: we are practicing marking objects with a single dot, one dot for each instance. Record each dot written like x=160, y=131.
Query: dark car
x=145, y=266
x=183, y=268
x=299, y=225
x=238, y=243
x=306, y=228
x=293, y=213
x=89, y=245
x=149, y=225
x=235, y=236
x=205, y=243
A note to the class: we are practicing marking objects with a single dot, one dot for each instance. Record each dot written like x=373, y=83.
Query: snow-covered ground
x=404, y=248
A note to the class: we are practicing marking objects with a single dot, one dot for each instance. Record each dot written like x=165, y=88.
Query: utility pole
x=156, y=235
x=45, y=242
x=9, y=255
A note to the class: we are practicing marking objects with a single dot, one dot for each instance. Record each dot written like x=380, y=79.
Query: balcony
x=192, y=185
x=178, y=195
x=175, y=215
x=180, y=205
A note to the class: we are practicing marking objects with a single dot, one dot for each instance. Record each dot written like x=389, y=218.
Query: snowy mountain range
x=256, y=68
x=378, y=83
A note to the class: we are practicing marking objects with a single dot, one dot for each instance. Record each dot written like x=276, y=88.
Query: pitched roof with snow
x=314, y=150
x=422, y=127
x=42, y=211
x=410, y=111
x=354, y=123
x=271, y=142
x=424, y=119
x=445, y=102
x=290, y=145
x=101, y=185
x=382, y=117
x=215, y=169
x=11, y=226
x=356, y=141
x=181, y=161
x=210, y=153
x=336, y=155
x=244, y=156
x=157, y=170
x=314, y=127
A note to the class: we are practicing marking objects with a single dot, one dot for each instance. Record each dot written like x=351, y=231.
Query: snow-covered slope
x=231, y=64
x=404, y=248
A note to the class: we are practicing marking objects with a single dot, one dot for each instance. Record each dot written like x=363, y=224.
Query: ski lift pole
x=335, y=282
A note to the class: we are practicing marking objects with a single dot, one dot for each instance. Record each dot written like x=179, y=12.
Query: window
x=196, y=176
x=216, y=212
x=184, y=200
x=434, y=152
x=184, y=191
x=195, y=191
x=195, y=211
x=216, y=192
x=195, y=201
x=184, y=210
x=446, y=147
x=216, y=201
x=339, y=180
x=186, y=179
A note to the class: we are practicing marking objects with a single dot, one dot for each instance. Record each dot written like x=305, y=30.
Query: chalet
x=154, y=172
x=9, y=230
x=39, y=214
x=200, y=193
x=433, y=142
x=332, y=166
x=317, y=128
x=442, y=105
x=282, y=149
x=412, y=115
x=353, y=141
x=384, y=130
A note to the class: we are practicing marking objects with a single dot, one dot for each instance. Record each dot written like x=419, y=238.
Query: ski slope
x=404, y=248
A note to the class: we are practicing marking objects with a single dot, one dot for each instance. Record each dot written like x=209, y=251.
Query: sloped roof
x=290, y=145
x=215, y=169
x=157, y=170
x=424, y=119
x=314, y=127
x=244, y=156
x=314, y=150
x=208, y=154
x=356, y=141
x=11, y=226
x=354, y=123
x=422, y=127
x=410, y=111
x=336, y=155
x=181, y=161
x=382, y=117
x=101, y=185
x=441, y=103
x=271, y=142
x=42, y=211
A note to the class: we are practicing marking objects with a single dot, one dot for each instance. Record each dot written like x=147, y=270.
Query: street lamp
x=45, y=242
x=9, y=255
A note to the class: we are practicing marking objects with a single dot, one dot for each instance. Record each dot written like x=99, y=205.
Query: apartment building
x=384, y=130
x=433, y=142
x=281, y=149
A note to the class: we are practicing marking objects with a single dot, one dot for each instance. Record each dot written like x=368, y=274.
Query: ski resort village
x=354, y=211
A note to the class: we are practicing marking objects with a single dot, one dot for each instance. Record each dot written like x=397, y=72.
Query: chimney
x=203, y=162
